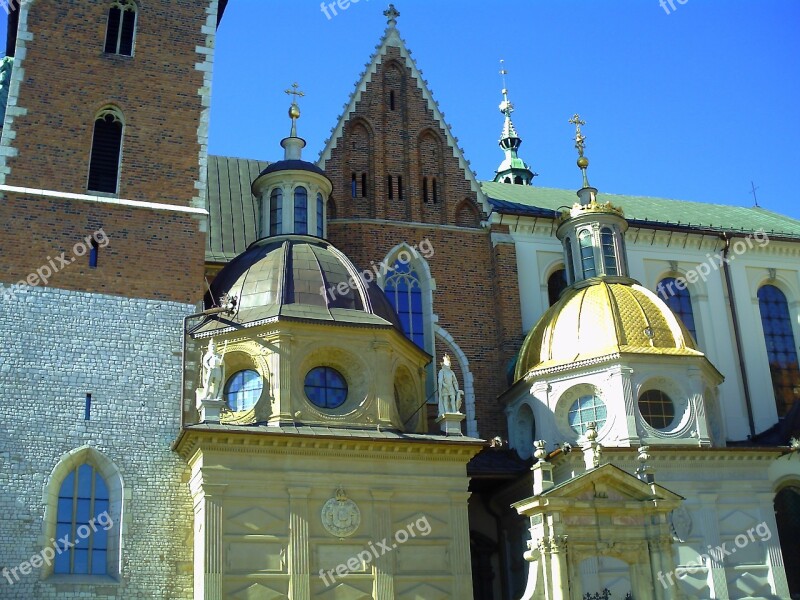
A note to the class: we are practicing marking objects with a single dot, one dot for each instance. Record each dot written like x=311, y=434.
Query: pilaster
x=299, y=581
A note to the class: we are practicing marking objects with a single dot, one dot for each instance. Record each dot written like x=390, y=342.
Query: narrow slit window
x=276, y=212
x=105, y=155
x=399, y=187
x=353, y=186
x=424, y=189
x=363, y=185
x=389, y=187
x=320, y=216
x=93, y=252
x=391, y=100
x=435, y=190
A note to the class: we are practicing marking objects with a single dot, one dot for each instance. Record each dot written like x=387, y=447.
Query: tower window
x=424, y=189
x=121, y=28
x=435, y=190
x=301, y=210
x=106, y=150
x=587, y=254
x=518, y=180
x=320, y=216
x=82, y=499
x=276, y=212
x=353, y=186
x=391, y=100
x=781, y=350
x=389, y=187
x=363, y=185
x=399, y=187
x=326, y=387
x=609, y=254
x=570, y=264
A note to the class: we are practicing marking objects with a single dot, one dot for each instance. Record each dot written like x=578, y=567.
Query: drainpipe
x=736, y=332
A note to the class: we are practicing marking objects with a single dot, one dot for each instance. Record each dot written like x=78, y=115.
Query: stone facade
x=59, y=346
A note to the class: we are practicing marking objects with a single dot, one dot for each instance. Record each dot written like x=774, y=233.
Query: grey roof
x=293, y=165
x=234, y=215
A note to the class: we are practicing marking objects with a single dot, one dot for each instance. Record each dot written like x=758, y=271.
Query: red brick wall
x=67, y=80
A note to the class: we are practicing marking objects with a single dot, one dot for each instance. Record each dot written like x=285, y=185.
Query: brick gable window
x=106, y=152
x=121, y=28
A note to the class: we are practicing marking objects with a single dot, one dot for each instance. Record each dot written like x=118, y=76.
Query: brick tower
x=102, y=184
x=400, y=180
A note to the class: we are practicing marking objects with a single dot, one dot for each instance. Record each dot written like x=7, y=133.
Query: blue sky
x=691, y=105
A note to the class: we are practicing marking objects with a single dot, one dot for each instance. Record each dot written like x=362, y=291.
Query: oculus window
x=585, y=410
x=243, y=389
x=326, y=387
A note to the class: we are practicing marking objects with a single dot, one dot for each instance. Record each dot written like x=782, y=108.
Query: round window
x=585, y=410
x=326, y=387
x=243, y=389
x=657, y=409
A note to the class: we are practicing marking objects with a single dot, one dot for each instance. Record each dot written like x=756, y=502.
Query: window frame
x=124, y=6
x=101, y=115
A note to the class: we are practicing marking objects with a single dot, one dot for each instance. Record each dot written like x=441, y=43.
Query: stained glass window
x=405, y=294
x=781, y=349
x=679, y=301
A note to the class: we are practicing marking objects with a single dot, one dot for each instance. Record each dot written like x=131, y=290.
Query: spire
x=293, y=145
x=580, y=146
x=513, y=169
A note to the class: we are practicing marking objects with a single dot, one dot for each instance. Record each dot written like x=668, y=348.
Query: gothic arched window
x=405, y=294
x=106, y=151
x=121, y=28
x=679, y=301
x=781, y=349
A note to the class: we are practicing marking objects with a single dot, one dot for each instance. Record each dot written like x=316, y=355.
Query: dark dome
x=292, y=165
x=299, y=276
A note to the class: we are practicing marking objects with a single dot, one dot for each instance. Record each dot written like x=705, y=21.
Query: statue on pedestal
x=450, y=396
x=213, y=374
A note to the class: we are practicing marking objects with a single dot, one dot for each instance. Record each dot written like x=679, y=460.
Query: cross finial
x=391, y=15
x=580, y=139
x=754, y=188
x=296, y=92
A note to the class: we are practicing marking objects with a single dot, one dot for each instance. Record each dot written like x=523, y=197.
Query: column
x=777, y=570
x=384, y=391
x=208, y=532
x=710, y=525
x=460, y=546
x=299, y=581
x=698, y=404
x=383, y=567
x=280, y=366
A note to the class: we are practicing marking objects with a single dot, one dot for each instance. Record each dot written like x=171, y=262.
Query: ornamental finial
x=505, y=106
x=391, y=15
x=294, y=109
x=580, y=146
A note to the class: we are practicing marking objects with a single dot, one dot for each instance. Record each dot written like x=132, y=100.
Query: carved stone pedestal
x=209, y=408
x=450, y=423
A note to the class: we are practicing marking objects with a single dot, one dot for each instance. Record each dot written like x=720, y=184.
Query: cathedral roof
x=642, y=210
x=603, y=317
x=297, y=277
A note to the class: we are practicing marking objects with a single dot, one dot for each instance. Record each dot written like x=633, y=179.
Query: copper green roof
x=642, y=210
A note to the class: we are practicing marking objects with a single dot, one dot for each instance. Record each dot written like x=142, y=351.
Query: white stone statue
x=450, y=396
x=213, y=373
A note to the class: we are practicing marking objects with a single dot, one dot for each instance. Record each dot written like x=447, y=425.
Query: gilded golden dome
x=603, y=317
